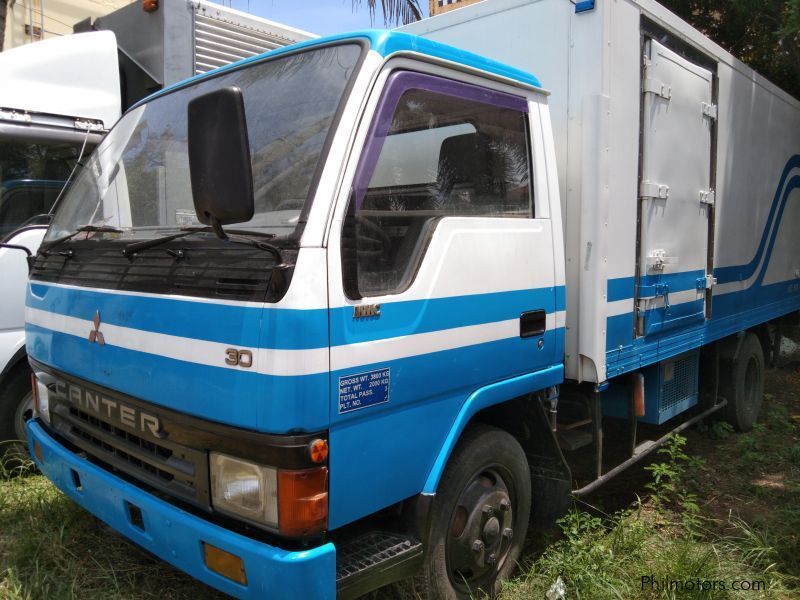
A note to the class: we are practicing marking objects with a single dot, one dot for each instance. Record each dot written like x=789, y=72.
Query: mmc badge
x=95, y=335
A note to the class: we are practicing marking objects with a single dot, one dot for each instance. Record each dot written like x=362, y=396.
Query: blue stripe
x=286, y=329
x=732, y=312
x=435, y=314
x=742, y=272
x=290, y=329
x=622, y=288
x=239, y=398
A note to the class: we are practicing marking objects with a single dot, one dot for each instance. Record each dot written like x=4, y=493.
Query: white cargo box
x=677, y=167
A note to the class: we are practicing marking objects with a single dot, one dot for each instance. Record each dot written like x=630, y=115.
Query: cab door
x=675, y=191
x=441, y=281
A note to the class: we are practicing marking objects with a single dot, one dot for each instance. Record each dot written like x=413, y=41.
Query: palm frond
x=395, y=12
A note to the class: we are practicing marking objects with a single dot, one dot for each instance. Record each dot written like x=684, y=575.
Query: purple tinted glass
x=398, y=84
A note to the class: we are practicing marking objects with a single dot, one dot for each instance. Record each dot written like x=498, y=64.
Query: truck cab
x=275, y=310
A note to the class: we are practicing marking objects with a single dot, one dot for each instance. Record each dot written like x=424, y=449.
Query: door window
x=437, y=148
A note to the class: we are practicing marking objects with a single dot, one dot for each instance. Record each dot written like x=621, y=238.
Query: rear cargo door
x=675, y=191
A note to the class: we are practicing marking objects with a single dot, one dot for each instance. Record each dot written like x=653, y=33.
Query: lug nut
x=505, y=505
x=508, y=533
x=477, y=546
x=491, y=560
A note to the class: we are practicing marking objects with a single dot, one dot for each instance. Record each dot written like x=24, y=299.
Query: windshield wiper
x=86, y=228
x=235, y=236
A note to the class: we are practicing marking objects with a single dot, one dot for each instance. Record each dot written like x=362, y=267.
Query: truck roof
x=73, y=76
x=386, y=43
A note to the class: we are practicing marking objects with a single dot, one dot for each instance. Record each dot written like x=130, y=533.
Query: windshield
x=137, y=179
x=32, y=174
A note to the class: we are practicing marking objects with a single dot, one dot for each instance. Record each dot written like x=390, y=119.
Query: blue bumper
x=176, y=536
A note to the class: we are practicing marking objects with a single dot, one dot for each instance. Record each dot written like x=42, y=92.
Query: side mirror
x=219, y=159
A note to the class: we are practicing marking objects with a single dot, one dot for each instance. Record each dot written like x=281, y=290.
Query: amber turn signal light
x=149, y=5
x=302, y=501
x=318, y=450
x=224, y=563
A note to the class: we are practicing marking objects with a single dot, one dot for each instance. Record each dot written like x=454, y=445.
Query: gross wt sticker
x=363, y=389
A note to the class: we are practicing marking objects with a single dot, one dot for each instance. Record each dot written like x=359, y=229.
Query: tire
x=487, y=468
x=16, y=407
x=743, y=386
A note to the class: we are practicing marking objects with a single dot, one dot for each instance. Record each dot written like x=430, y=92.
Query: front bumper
x=177, y=536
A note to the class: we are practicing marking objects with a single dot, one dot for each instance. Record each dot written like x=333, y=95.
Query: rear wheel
x=16, y=407
x=479, y=517
x=743, y=384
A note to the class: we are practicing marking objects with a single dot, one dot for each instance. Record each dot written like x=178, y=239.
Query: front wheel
x=479, y=517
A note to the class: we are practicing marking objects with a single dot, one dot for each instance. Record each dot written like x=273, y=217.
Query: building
x=25, y=21
x=438, y=7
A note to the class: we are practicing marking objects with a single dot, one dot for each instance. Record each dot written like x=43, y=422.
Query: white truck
x=352, y=311
x=58, y=97
x=60, y=94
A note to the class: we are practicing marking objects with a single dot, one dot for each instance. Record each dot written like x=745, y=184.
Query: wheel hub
x=482, y=531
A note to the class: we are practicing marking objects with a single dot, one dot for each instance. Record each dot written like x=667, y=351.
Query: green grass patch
x=709, y=525
x=51, y=548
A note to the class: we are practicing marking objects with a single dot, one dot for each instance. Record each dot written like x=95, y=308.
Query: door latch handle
x=532, y=323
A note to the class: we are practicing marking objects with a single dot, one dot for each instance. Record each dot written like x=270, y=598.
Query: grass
x=51, y=548
x=729, y=513
x=719, y=507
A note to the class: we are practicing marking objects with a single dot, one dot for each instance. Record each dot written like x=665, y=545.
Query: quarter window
x=437, y=149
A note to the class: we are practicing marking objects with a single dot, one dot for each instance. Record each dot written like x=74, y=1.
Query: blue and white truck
x=362, y=308
x=52, y=91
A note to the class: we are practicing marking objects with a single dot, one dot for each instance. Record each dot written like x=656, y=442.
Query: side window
x=437, y=149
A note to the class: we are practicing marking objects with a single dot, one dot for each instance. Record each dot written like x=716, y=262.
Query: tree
x=765, y=34
x=395, y=12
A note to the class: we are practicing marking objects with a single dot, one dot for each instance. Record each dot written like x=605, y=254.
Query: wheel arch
x=18, y=358
x=513, y=406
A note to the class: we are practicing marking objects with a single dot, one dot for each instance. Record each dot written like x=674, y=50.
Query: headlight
x=41, y=399
x=244, y=488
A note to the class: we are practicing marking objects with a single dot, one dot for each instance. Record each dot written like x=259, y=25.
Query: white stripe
x=385, y=350
x=619, y=307
x=286, y=362
x=201, y=352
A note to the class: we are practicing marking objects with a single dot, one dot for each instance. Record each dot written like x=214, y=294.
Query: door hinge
x=660, y=89
x=706, y=283
x=709, y=110
x=707, y=197
x=649, y=189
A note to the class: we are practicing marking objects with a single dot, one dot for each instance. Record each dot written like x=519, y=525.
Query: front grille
x=175, y=469
x=155, y=453
x=232, y=272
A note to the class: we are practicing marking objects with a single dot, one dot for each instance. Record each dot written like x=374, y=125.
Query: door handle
x=533, y=322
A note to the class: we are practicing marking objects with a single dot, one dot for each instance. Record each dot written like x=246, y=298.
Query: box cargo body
x=678, y=171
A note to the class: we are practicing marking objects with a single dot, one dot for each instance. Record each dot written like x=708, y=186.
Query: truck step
x=573, y=439
x=373, y=560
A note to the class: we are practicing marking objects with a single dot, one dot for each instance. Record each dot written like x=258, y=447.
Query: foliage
x=395, y=12
x=763, y=33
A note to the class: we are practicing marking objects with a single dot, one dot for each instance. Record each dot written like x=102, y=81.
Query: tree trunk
x=3, y=12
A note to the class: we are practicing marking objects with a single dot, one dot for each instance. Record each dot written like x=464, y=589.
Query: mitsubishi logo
x=95, y=335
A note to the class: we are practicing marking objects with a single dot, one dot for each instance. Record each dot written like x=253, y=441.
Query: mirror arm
x=217, y=227
x=28, y=254
x=17, y=247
